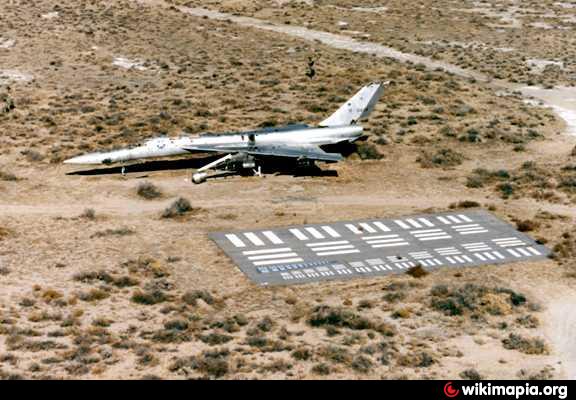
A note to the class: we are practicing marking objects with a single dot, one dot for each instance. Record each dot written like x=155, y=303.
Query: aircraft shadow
x=195, y=163
x=149, y=166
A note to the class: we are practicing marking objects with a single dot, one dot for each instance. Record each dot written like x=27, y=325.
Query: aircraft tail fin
x=358, y=107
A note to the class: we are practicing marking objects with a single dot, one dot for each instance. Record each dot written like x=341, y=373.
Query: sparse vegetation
x=443, y=158
x=148, y=191
x=525, y=345
x=177, y=209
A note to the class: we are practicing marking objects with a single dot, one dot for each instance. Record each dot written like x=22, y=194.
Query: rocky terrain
x=110, y=277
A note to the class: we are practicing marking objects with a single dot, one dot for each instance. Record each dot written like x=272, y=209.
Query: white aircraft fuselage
x=166, y=147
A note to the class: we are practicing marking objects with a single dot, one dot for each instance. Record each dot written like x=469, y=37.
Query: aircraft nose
x=85, y=159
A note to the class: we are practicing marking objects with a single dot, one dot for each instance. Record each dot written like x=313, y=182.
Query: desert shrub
x=265, y=324
x=7, y=176
x=474, y=298
x=506, y=189
x=170, y=336
x=276, y=366
x=337, y=355
x=368, y=151
x=125, y=281
x=471, y=374
x=147, y=266
x=394, y=297
x=191, y=297
x=465, y=204
x=212, y=363
x=419, y=359
x=528, y=321
x=148, y=191
x=441, y=158
x=88, y=213
x=526, y=225
x=178, y=208
x=321, y=369
x=365, y=304
x=325, y=315
x=402, y=313
x=102, y=322
x=149, y=297
x=32, y=155
x=361, y=364
x=90, y=277
x=302, y=354
x=215, y=338
x=93, y=295
x=113, y=232
x=417, y=272
x=177, y=324
x=525, y=345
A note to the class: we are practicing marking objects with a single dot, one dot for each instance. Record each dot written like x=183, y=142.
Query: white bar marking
x=444, y=220
x=382, y=227
x=254, y=239
x=282, y=261
x=235, y=240
x=453, y=218
x=426, y=222
x=329, y=230
x=413, y=223
x=367, y=227
x=315, y=233
x=330, y=253
x=299, y=234
x=328, y=243
x=514, y=253
x=282, y=250
x=402, y=224
x=354, y=229
x=272, y=237
x=348, y=246
x=273, y=256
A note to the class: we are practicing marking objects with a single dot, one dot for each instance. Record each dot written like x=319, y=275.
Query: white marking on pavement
x=299, y=234
x=235, y=240
x=314, y=232
x=367, y=227
x=347, y=246
x=282, y=261
x=402, y=224
x=254, y=239
x=329, y=230
x=272, y=237
x=273, y=256
x=331, y=253
x=413, y=223
x=381, y=226
x=354, y=229
x=328, y=243
x=267, y=251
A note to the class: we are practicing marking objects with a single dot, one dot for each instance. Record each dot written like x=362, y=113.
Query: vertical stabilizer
x=358, y=107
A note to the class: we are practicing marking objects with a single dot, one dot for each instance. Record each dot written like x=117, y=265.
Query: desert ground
x=98, y=281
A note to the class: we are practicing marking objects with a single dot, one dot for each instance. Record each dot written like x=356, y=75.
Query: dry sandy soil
x=97, y=285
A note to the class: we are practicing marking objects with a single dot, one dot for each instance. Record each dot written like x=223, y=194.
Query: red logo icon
x=450, y=391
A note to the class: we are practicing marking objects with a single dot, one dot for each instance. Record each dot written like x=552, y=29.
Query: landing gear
x=233, y=163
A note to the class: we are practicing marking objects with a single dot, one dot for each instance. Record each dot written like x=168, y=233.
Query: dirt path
x=560, y=326
x=562, y=99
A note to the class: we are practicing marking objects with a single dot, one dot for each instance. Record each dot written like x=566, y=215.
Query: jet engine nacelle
x=242, y=161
